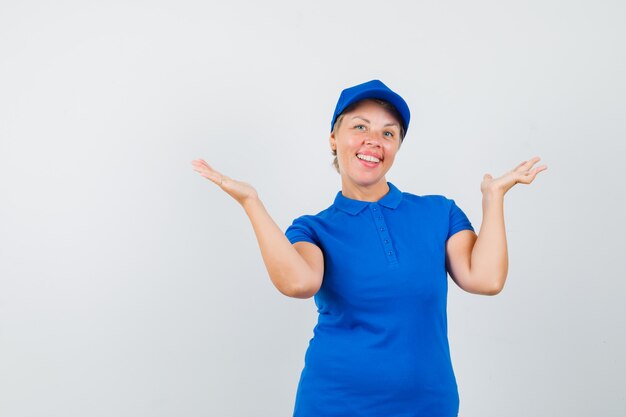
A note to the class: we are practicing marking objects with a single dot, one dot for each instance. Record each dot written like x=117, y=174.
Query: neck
x=371, y=193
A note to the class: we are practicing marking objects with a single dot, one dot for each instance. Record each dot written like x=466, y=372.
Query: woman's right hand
x=238, y=190
x=295, y=270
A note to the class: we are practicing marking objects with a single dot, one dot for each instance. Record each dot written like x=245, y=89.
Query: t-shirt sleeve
x=301, y=230
x=458, y=220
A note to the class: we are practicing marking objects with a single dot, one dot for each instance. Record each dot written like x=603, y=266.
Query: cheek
x=348, y=147
x=391, y=150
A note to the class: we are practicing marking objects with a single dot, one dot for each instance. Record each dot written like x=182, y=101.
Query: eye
x=389, y=134
x=359, y=127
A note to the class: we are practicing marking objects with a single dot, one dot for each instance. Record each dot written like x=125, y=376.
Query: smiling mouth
x=367, y=158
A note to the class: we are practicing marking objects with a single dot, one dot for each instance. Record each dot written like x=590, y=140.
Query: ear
x=333, y=141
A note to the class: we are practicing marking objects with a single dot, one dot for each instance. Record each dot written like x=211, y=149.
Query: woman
x=376, y=262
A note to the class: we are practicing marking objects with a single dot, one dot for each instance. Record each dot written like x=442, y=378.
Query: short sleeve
x=458, y=220
x=301, y=230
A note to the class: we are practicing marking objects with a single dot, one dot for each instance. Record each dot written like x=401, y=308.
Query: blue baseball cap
x=372, y=89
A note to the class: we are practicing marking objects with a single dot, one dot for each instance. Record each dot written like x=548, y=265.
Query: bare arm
x=479, y=264
x=295, y=270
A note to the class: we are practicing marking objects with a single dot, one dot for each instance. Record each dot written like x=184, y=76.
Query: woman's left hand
x=524, y=173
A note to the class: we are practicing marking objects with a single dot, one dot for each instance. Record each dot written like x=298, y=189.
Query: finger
x=526, y=165
x=202, y=166
x=529, y=164
x=211, y=174
x=520, y=165
x=524, y=179
x=199, y=166
x=217, y=177
x=198, y=161
x=529, y=176
x=536, y=171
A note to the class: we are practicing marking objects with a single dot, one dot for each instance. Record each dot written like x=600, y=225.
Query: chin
x=366, y=181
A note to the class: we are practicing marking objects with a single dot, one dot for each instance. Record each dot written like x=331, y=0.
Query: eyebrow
x=364, y=119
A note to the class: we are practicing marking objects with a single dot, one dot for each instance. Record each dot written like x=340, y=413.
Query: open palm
x=523, y=173
x=238, y=190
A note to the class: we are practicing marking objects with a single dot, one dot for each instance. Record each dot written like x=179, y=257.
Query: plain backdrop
x=131, y=286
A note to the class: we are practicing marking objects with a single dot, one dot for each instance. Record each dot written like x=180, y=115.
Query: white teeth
x=367, y=158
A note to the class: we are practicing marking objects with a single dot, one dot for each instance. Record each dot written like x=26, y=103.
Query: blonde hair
x=382, y=103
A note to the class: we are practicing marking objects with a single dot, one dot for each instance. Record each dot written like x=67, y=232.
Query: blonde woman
x=376, y=262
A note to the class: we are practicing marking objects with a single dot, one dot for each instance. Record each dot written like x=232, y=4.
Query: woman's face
x=366, y=141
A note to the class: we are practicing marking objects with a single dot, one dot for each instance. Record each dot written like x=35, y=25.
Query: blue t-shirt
x=380, y=345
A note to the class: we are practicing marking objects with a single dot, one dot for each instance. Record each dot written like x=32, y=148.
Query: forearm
x=286, y=267
x=489, y=264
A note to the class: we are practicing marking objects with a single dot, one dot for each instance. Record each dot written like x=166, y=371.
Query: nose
x=373, y=139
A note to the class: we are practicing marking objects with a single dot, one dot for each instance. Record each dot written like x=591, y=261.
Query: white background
x=131, y=286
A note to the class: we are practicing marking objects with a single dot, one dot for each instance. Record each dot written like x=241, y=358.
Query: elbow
x=299, y=290
x=495, y=288
x=487, y=286
x=491, y=283
x=303, y=294
x=307, y=288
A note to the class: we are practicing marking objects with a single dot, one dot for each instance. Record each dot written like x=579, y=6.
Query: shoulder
x=311, y=227
x=314, y=222
x=435, y=201
x=318, y=217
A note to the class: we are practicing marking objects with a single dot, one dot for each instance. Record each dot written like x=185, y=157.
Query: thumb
x=487, y=177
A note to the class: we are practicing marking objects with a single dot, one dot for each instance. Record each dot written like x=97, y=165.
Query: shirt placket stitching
x=383, y=233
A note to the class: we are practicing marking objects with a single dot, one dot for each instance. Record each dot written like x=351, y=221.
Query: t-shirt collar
x=354, y=207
